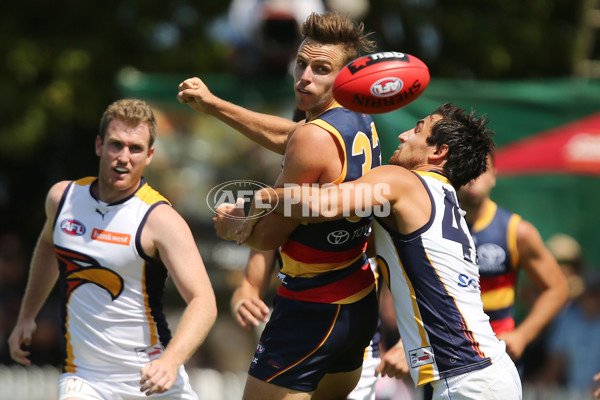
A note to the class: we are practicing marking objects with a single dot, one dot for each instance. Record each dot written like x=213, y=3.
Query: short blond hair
x=132, y=112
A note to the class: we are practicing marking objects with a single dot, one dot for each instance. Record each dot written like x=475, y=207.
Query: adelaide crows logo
x=79, y=269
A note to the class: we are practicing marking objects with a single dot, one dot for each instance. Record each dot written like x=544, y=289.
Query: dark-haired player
x=422, y=238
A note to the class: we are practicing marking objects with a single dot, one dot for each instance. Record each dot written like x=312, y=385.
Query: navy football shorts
x=303, y=341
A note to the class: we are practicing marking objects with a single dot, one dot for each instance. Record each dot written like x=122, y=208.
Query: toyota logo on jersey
x=338, y=237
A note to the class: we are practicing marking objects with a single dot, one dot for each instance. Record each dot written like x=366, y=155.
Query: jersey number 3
x=362, y=145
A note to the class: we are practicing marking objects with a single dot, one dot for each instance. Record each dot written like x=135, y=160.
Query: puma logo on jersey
x=80, y=269
x=101, y=212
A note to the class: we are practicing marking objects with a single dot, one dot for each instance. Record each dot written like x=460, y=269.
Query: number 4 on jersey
x=452, y=229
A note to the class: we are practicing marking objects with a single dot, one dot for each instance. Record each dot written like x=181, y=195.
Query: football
x=380, y=82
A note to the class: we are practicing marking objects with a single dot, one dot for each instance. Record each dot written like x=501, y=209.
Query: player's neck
x=311, y=114
x=111, y=194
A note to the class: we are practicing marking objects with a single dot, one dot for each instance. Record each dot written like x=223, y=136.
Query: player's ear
x=98, y=145
x=150, y=155
x=440, y=152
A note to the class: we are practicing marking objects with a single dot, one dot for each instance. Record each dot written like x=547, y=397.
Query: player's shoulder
x=163, y=224
x=342, y=117
x=149, y=195
x=54, y=197
x=310, y=137
x=57, y=190
x=164, y=217
x=504, y=211
x=527, y=232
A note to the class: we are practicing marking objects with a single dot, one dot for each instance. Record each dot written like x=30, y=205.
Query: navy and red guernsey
x=495, y=236
x=326, y=262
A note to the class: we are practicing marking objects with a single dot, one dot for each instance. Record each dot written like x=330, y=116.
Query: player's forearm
x=267, y=130
x=265, y=240
x=243, y=292
x=546, y=306
x=198, y=318
x=271, y=232
x=258, y=272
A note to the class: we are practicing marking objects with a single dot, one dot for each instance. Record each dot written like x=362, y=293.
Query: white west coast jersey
x=111, y=291
x=434, y=281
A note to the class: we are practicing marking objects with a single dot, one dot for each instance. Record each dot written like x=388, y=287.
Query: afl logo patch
x=260, y=348
x=387, y=87
x=72, y=227
x=338, y=237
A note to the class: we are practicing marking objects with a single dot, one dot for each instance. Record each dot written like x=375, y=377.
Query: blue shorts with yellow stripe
x=303, y=341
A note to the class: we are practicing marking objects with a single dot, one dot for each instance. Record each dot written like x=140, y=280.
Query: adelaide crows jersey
x=495, y=236
x=111, y=291
x=433, y=278
x=326, y=262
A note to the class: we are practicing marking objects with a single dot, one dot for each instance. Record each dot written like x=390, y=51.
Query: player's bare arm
x=386, y=186
x=312, y=156
x=269, y=131
x=43, y=275
x=393, y=363
x=543, y=270
x=247, y=305
x=167, y=236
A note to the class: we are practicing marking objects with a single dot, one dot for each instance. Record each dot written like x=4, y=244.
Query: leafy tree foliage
x=474, y=39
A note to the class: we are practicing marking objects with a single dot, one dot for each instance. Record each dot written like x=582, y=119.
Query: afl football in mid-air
x=380, y=82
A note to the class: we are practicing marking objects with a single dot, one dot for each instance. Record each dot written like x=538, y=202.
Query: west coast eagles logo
x=80, y=269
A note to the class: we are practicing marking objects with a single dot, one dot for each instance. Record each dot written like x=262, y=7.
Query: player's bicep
x=166, y=236
x=311, y=155
x=51, y=207
x=535, y=258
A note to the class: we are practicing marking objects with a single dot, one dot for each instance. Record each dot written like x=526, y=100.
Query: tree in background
x=59, y=65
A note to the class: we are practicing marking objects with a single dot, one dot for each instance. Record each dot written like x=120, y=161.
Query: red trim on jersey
x=469, y=335
x=308, y=255
x=497, y=282
x=503, y=325
x=333, y=292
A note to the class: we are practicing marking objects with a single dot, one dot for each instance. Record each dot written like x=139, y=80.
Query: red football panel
x=382, y=86
x=396, y=65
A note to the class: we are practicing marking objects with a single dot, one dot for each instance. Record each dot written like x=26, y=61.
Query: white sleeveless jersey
x=434, y=281
x=111, y=291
